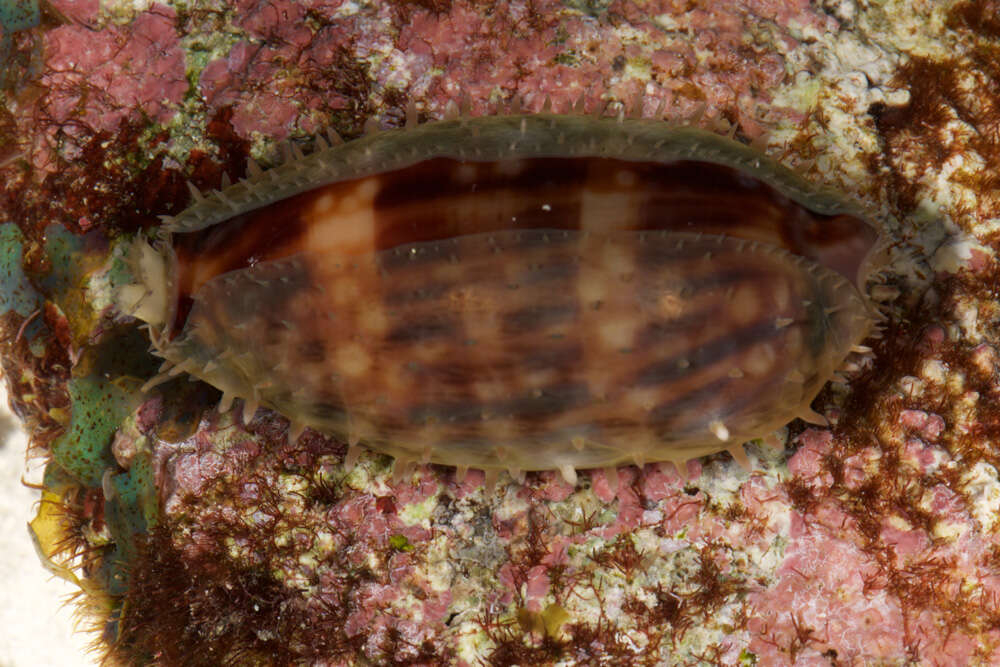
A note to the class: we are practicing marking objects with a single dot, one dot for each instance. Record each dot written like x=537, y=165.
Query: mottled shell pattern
x=517, y=292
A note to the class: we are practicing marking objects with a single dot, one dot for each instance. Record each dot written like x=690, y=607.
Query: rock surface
x=211, y=540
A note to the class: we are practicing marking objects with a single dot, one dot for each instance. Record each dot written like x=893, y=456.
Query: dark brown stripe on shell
x=532, y=318
x=420, y=332
x=707, y=354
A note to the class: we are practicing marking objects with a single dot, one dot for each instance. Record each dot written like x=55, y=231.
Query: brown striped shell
x=519, y=292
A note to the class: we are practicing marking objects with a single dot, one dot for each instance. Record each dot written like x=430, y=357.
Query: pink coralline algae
x=213, y=540
x=83, y=12
x=563, y=56
x=833, y=593
x=102, y=77
x=275, y=86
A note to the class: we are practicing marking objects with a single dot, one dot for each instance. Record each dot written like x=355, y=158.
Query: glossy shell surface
x=520, y=292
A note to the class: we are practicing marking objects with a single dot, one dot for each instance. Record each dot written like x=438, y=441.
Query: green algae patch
x=19, y=14
x=400, y=543
x=72, y=259
x=98, y=407
x=62, y=249
x=16, y=291
x=16, y=15
x=62, y=279
x=132, y=508
x=57, y=480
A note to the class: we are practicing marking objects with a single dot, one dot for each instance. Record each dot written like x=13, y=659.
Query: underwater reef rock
x=202, y=537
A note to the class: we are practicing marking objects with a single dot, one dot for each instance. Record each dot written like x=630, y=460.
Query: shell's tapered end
x=150, y=295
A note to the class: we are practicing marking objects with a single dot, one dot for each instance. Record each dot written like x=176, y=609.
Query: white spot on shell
x=744, y=306
x=759, y=360
x=617, y=259
x=719, y=430
x=591, y=288
x=325, y=204
x=670, y=305
x=352, y=360
x=617, y=334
